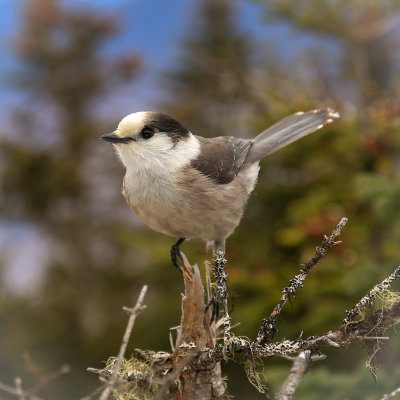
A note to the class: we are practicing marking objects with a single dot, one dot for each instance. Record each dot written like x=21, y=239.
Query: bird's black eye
x=146, y=133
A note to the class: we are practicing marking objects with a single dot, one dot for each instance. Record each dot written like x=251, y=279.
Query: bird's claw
x=214, y=303
x=175, y=253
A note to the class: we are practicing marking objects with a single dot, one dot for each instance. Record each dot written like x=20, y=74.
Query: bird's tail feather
x=288, y=130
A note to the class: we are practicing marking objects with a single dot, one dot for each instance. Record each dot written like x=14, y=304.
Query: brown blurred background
x=72, y=253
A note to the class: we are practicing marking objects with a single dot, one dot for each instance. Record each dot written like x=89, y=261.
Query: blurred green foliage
x=57, y=178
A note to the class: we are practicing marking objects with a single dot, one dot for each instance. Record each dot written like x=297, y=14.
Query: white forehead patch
x=131, y=124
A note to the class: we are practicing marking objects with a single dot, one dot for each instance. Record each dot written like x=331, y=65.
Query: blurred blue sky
x=152, y=28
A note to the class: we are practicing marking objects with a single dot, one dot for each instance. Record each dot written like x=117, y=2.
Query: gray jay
x=188, y=186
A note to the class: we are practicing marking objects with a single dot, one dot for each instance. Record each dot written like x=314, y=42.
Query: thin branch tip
x=370, y=297
x=133, y=313
x=268, y=329
x=389, y=396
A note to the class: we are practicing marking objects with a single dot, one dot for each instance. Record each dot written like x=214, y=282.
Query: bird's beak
x=113, y=138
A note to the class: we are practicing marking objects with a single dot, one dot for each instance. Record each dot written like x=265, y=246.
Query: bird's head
x=147, y=135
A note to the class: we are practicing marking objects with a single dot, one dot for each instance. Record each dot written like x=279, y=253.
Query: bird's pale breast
x=187, y=203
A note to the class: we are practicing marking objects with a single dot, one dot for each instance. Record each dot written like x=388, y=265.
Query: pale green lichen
x=379, y=317
x=254, y=368
x=135, y=381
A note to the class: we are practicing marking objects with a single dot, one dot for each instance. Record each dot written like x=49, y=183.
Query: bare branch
x=16, y=392
x=18, y=388
x=370, y=297
x=268, y=329
x=42, y=381
x=300, y=366
x=241, y=348
x=134, y=312
x=389, y=396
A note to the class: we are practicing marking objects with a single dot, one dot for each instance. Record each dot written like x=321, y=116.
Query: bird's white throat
x=159, y=155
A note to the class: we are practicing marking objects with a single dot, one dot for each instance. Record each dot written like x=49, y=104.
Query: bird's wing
x=220, y=158
x=288, y=130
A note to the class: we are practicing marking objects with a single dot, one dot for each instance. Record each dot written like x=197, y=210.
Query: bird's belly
x=152, y=203
x=192, y=206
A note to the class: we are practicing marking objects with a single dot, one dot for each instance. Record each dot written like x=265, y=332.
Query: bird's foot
x=175, y=253
x=214, y=304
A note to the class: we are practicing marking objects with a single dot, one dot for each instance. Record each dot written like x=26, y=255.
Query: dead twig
x=268, y=329
x=370, y=297
x=389, y=396
x=17, y=390
x=42, y=381
x=133, y=313
x=301, y=365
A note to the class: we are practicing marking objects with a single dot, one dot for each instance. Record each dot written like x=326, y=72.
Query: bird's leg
x=176, y=252
x=220, y=293
x=214, y=304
